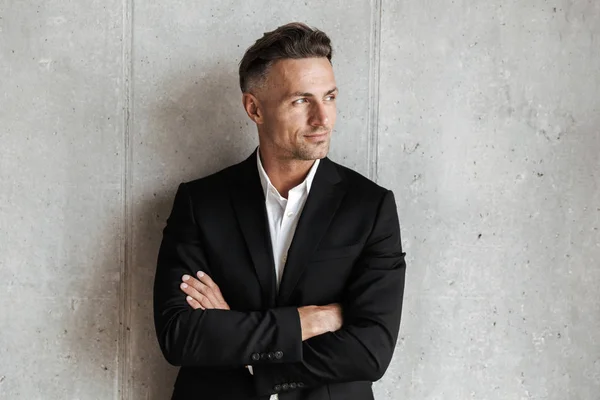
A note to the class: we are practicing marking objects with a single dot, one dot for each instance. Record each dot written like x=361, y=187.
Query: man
x=281, y=276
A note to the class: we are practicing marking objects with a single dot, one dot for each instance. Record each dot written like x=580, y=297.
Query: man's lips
x=317, y=135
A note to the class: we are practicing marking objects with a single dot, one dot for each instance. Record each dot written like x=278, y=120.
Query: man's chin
x=319, y=150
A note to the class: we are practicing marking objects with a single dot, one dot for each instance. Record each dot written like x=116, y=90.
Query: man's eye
x=332, y=97
x=300, y=101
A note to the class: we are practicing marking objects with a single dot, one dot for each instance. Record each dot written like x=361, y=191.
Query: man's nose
x=319, y=115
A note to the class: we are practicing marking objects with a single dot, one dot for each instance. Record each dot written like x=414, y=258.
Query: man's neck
x=284, y=174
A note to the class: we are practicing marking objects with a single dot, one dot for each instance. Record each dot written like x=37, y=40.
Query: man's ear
x=252, y=107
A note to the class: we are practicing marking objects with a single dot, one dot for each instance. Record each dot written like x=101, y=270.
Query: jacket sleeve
x=362, y=349
x=218, y=338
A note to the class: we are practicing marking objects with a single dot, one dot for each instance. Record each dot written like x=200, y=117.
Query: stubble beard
x=312, y=151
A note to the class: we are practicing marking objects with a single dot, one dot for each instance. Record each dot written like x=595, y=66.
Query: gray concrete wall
x=483, y=117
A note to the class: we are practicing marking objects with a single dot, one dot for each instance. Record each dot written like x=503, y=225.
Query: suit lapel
x=249, y=204
x=326, y=194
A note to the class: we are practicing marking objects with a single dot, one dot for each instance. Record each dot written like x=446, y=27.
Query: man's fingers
x=202, y=299
x=195, y=305
x=212, y=297
x=216, y=295
x=201, y=288
x=207, y=280
x=204, y=291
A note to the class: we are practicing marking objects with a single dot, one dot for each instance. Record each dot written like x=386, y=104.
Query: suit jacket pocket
x=336, y=252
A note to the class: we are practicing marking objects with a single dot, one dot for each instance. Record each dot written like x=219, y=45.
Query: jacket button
x=263, y=356
x=255, y=356
x=285, y=386
x=277, y=388
x=300, y=384
x=279, y=354
x=293, y=385
x=271, y=356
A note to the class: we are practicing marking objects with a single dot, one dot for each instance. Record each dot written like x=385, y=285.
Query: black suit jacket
x=346, y=249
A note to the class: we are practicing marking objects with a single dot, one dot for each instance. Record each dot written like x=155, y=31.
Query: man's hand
x=317, y=320
x=203, y=293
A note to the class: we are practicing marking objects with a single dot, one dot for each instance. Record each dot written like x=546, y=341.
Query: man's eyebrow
x=307, y=94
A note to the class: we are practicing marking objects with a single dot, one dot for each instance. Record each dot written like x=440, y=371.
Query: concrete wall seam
x=374, y=68
x=123, y=353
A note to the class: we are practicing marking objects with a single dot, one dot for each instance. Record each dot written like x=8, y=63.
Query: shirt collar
x=266, y=182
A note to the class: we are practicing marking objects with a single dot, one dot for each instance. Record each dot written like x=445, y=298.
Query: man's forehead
x=313, y=75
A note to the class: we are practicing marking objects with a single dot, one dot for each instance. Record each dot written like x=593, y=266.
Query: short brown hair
x=293, y=40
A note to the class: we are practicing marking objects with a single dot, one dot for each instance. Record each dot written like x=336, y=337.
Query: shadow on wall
x=198, y=128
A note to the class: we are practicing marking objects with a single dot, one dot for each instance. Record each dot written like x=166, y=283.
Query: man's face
x=298, y=108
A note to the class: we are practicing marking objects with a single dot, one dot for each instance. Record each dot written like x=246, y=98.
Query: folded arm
x=212, y=337
x=362, y=349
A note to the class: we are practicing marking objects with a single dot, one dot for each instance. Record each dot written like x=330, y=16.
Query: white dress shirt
x=283, y=215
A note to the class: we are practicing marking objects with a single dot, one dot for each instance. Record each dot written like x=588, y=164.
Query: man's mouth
x=320, y=135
